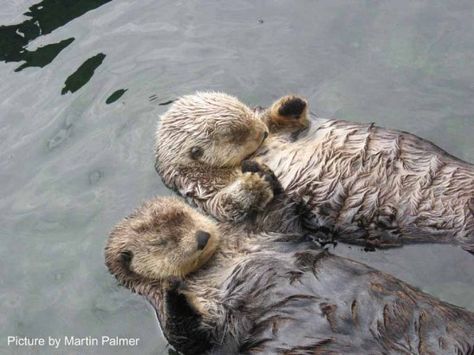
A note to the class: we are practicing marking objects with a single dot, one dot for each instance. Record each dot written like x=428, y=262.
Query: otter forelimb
x=184, y=325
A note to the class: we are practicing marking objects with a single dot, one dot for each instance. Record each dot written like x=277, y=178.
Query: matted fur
x=197, y=153
x=278, y=294
x=371, y=185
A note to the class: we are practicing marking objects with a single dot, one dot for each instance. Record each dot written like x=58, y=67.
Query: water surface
x=83, y=84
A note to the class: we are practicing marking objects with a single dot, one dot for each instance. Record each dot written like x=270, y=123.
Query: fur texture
x=370, y=185
x=276, y=293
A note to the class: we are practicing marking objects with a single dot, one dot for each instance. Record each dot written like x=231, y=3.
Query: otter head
x=161, y=239
x=212, y=129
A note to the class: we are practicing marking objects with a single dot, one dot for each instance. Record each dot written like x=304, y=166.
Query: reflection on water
x=115, y=96
x=73, y=165
x=44, y=17
x=166, y=103
x=43, y=55
x=83, y=74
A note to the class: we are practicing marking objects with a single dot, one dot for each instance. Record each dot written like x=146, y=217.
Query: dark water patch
x=166, y=102
x=115, y=96
x=83, y=74
x=154, y=97
x=44, y=18
x=43, y=55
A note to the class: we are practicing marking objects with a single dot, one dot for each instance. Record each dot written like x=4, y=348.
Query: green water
x=82, y=86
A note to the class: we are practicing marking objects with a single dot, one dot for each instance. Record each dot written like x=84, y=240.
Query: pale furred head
x=162, y=238
x=208, y=128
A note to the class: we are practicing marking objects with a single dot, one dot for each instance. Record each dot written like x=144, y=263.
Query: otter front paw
x=245, y=197
x=175, y=299
x=291, y=111
x=264, y=171
x=183, y=322
x=174, y=285
x=256, y=191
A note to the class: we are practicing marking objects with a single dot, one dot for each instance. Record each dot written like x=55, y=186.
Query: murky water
x=82, y=85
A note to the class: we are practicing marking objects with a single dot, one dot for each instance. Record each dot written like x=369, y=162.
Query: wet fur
x=376, y=186
x=278, y=293
x=370, y=185
x=224, y=132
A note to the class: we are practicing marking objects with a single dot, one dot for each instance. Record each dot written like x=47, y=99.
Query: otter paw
x=247, y=196
x=174, y=284
x=257, y=190
x=291, y=107
x=290, y=110
x=251, y=166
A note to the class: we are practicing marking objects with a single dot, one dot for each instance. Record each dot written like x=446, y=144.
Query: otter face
x=214, y=129
x=163, y=238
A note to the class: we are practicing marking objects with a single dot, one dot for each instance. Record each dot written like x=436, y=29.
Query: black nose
x=202, y=239
x=265, y=135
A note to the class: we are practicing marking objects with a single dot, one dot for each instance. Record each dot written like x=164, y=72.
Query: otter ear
x=196, y=153
x=125, y=258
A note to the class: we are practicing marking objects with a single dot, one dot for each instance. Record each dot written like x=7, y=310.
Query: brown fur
x=371, y=185
x=223, y=134
x=163, y=230
x=274, y=293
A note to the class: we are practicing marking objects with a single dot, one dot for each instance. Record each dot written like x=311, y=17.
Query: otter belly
x=376, y=186
x=330, y=304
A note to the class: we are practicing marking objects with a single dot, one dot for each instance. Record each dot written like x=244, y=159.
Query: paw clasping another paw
x=250, y=166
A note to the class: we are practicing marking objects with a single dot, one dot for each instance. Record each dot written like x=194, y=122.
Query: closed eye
x=236, y=135
x=160, y=243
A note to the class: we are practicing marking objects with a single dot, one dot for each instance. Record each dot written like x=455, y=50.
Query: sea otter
x=370, y=185
x=220, y=289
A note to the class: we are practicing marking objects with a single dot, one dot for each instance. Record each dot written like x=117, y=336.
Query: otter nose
x=202, y=239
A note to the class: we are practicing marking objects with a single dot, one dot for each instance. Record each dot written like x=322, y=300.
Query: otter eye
x=160, y=243
x=196, y=153
x=236, y=134
x=126, y=257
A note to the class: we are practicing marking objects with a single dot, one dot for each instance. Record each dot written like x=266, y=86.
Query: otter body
x=273, y=293
x=368, y=184
x=376, y=186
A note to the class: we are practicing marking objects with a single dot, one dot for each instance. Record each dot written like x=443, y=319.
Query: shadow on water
x=43, y=55
x=44, y=18
x=115, y=96
x=83, y=74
